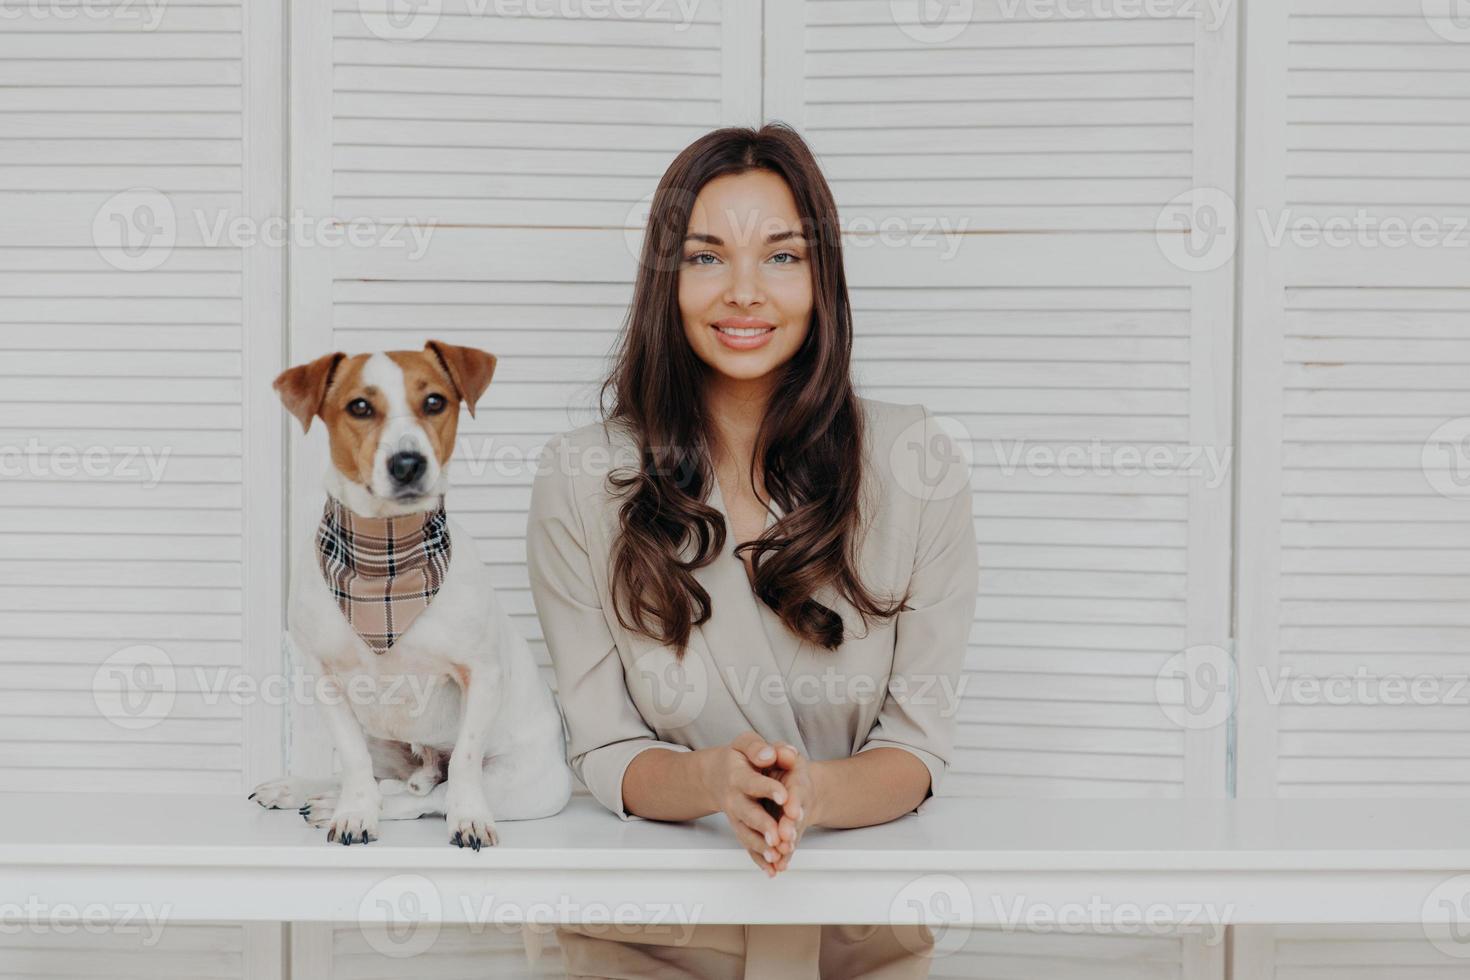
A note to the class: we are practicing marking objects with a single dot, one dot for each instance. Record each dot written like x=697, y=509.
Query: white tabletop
x=212, y=857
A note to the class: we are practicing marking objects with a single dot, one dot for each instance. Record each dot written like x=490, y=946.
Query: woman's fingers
x=754, y=748
x=754, y=816
x=763, y=855
x=759, y=787
x=786, y=755
x=749, y=839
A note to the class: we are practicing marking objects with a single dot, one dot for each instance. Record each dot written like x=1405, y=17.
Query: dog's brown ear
x=303, y=387
x=468, y=367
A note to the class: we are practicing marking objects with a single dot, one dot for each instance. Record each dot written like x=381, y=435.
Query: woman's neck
x=735, y=409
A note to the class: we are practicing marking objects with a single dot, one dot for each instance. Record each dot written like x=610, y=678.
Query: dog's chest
x=405, y=697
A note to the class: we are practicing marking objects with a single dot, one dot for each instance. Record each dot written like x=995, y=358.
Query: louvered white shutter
x=146, y=947
x=137, y=419
x=1001, y=170
x=1353, y=429
x=140, y=502
x=1367, y=951
x=424, y=952
x=529, y=143
x=1354, y=421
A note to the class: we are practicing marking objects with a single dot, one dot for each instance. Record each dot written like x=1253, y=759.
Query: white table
x=971, y=862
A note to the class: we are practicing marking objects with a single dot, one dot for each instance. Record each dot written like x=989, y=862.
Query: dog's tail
x=533, y=934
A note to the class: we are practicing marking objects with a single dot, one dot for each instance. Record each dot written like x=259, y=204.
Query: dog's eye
x=434, y=404
x=360, y=408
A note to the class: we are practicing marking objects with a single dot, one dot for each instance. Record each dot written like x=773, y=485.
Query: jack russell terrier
x=433, y=698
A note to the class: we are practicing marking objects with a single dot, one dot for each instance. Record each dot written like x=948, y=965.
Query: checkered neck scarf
x=383, y=571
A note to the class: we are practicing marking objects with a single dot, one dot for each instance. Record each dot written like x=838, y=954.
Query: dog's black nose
x=405, y=468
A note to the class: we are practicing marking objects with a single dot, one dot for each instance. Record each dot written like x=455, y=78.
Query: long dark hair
x=809, y=444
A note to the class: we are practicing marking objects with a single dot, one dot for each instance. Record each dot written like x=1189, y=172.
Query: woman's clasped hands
x=767, y=792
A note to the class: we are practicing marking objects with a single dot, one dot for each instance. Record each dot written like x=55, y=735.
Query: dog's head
x=391, y=419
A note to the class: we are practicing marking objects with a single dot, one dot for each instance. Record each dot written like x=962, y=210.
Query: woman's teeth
x=744, y=331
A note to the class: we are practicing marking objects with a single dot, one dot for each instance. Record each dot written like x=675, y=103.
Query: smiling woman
x=772, y=534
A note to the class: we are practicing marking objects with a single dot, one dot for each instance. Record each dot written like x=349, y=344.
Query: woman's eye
x=702, y=258
x=785, y=258
x=434, y=404
x=359, y=408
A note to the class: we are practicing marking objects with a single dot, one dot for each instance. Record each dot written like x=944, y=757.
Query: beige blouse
x=894, y=683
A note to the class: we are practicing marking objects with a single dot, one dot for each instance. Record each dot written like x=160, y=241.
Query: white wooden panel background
x=183, y=101
x=1057, y=321
x=98, y=359
x=1354, y=357
x=1351, y=358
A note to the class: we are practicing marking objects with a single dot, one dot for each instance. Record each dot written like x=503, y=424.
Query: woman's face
x=745, y=283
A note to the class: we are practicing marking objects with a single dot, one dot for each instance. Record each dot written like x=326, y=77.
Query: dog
x=433, y=698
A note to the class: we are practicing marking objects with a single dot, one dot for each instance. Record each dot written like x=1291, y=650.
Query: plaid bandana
x=383, y=571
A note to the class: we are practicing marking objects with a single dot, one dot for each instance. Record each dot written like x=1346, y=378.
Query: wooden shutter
x=528, y=142
x=166, y=116
x=146, y=947
x=1297, y=952
x=1056, y=324
x=1353, y=532
x=445, y=952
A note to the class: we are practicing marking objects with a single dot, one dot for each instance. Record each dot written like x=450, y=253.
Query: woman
x=760, y=606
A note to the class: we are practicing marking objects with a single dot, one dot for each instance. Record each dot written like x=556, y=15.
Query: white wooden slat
x=672, y=60
x=981, y=35
x=653, y=11
x=959, y=63
x=571, y=31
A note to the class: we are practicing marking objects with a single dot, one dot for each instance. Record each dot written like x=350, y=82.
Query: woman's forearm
x=869, y=788
x=660, y=784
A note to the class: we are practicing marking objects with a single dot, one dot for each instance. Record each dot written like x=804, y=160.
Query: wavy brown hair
x=809, y=444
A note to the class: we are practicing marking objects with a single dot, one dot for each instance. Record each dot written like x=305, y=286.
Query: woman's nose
x=745, y=287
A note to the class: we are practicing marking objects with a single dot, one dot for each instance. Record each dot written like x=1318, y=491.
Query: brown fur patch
x=354, y=441
x=423, y=376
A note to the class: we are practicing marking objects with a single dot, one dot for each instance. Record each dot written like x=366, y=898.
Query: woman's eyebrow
x=781, y=236
x=695, y=236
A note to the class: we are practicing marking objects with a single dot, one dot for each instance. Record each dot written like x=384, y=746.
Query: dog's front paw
x=472, y=827
x=351, y=823
x=279, y=794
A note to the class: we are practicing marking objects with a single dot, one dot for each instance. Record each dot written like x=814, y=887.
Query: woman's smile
x=743, y=332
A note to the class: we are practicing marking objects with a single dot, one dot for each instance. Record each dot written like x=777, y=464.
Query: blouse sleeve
x=930, y=637
x=604, y=727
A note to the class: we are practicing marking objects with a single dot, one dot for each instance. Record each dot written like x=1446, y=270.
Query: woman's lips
x=741, y=333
